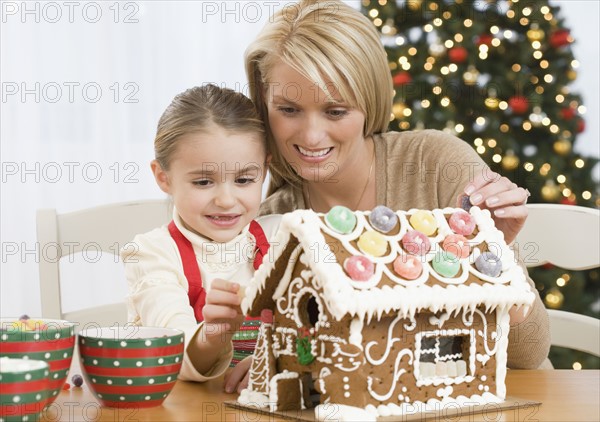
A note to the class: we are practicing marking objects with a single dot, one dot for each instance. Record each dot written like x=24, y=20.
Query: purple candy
x=383, y=219
x=77, y=380
x=465, y=203
x=488, y=264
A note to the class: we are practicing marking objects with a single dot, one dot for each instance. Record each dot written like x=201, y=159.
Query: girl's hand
x=222, y=312
x=505, y=200
x=237, y=378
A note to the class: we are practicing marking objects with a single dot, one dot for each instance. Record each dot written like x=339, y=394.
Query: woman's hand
x=505, y=200
x=237, y=378
x=222, y=312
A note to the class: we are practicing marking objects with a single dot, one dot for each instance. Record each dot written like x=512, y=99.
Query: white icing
x=356, y=327
x=503, y=322
x=253, y=399
x=444, y=391
x=389, y=343
x=397, y=374
x=439, y=321
x=340, y=354
x=432, y=405
x=261, y=371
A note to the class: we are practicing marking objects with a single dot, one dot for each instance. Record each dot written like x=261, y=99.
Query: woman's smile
x=313, y=155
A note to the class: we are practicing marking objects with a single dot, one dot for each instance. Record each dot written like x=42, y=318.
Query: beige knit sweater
x=429, y=169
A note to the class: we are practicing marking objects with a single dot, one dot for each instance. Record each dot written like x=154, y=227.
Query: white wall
x=115, y=73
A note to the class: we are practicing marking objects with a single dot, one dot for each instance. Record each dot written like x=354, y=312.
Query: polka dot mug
x=24, y=389
x=131, y=366
x=48, y=340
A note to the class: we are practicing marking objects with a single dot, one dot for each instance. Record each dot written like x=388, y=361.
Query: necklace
x=363, y=191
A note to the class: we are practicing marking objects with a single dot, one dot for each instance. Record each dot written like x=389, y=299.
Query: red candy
x=416, y=243
x=359, y=268
x=408, y=267
x=457, y=245
x=461, y=222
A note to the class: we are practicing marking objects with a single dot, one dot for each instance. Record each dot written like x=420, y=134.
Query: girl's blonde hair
x=324, y=40
x=198, y=108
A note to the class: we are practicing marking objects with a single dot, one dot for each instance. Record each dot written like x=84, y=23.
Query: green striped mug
x=50, y=340
x=131, y=366
x=24, y=389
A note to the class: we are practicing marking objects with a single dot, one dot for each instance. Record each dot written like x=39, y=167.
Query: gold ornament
x=398, y=110
x=535, y=35
x=572, y=75
x=554, y=298
x=510, y=161
x=562, y=146
x=550, y=192
x=414, y=4
x=492, y=103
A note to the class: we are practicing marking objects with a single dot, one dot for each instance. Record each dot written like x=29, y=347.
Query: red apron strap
x=196, y=293
x=262, y=244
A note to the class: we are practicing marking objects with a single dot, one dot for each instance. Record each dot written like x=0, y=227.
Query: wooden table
x=565, y=396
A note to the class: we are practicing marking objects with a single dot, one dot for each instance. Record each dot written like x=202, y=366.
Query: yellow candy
x=372, y=243
x=424, y=221
x=28, y=325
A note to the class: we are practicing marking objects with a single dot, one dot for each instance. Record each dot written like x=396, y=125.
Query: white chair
x=567, y=236
x=104, y=227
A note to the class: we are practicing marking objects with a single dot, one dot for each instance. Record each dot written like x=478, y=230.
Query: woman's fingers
x=517, y=196
x=487, y=194
x=480, y=180
x=518, y=212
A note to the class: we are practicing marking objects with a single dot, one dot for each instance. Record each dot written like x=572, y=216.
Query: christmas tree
x=496, y=73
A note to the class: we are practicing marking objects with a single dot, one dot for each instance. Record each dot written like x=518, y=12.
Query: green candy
x=446, y=264
x=341, y=219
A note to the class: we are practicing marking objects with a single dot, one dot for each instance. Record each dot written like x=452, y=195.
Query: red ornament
x=484, y=39
x=518, y=104
x=560, y=38
x=402, y=78
x=548, y=266
x=458, y=54
x=567, y=201
x=568, y=113
x=580, y=125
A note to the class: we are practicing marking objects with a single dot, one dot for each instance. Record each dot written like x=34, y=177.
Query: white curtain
x=83, y=86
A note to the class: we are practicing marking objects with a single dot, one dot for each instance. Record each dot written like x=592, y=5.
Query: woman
x=319, y=76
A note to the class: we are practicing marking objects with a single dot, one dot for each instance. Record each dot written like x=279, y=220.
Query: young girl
x=211, y=158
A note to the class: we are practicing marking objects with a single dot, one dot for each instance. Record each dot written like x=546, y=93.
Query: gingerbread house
x=348, y=319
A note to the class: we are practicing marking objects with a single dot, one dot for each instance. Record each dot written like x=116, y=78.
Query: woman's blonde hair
x=324, y=40
x=196, y=110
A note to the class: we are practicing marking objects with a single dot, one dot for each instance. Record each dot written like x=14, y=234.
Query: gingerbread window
x=443, y=355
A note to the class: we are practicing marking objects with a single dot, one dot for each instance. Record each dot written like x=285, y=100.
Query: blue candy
x=488, y=264
x=465, y=203
x=383, y=219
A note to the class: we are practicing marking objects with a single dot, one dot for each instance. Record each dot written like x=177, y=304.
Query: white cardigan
x=158, y=287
